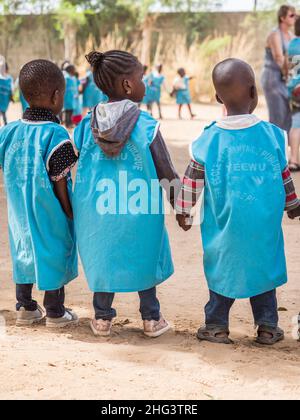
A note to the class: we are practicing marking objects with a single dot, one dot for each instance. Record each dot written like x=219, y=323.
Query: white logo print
x=258, y=180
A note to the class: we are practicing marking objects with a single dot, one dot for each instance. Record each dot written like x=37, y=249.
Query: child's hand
x=294, y=213
x=184, y=221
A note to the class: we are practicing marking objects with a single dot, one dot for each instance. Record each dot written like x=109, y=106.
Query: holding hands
x=185, y=221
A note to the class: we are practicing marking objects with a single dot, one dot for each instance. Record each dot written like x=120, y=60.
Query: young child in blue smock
x=156, y=82
x=6, y=89
x=182, y=92
x=71, y=93
x=77, y=111
x=36, y=156
x=91, y=94
x=146, y=99
x=240, y=162
x=118, y=205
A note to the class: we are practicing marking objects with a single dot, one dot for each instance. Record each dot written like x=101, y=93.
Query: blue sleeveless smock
x=183, y=96
x=155, y=86
x=70, y=93
x=123, y=248
x=92, y=95
x=244, y=201
x=42, y=239
x=5, y=93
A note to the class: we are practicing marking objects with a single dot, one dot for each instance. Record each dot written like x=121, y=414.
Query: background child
x=120, y=144
x=156, y=82
x=36, y=156
x=241, y=161
x=182, y=91
x=92, y=95
x=77, y=112
x=71, y=93
x=6, y=89
x=146, y=99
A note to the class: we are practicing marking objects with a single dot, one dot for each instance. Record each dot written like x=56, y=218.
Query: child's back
x=42, y=246
x=118, y=205
x=241, y=163
x=113, y=202
x=244, y=203
x=36, y=155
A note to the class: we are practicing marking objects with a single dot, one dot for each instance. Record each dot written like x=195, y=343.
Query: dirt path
x=36, y=363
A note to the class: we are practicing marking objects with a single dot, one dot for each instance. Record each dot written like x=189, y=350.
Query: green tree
x=149, y=10
x=69, y=18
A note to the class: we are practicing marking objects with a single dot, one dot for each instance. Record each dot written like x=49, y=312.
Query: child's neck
x=237, y=111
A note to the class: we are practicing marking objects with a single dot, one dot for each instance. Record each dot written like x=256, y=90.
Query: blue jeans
x=149, y=305
x=264, y=309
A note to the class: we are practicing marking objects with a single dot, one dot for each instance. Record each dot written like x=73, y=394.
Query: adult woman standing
x=276, y=69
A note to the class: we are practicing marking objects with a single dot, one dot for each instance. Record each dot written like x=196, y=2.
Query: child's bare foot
x=155, y=329
x=101, y=327
x=193, y=116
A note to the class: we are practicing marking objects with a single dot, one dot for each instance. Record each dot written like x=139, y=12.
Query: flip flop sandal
x=211, y=335
x=277, y=335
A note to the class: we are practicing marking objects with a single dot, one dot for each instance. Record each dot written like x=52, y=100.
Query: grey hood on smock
x=112, y=125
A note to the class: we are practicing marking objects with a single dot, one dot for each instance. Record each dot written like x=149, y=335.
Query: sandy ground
x=72, y=364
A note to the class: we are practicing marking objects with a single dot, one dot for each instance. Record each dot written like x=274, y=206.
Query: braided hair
x=40, y=78
x=108, y=66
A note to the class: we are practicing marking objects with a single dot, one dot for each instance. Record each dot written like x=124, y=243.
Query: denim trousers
x=264, y=308
x=149, y=305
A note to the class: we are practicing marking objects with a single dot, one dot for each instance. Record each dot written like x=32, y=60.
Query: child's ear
x=127, y=87
x=55, y=97
x=253, y=92
x=219, y=100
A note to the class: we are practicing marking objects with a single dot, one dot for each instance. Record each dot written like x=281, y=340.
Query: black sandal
x=276, y=333
x=211, y=335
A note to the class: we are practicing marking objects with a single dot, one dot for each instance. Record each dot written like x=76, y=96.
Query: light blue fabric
x=125, y=251
x=244, y=202
x=92, y=95
x=42, y=239
x=294, y=47
x=155, y=86
x=77, y=101
x=71, y=92
x=296, y=120
x=146, y=99
x=293, y=83
x=5, y=93
x=183, y=96
x=23, y=101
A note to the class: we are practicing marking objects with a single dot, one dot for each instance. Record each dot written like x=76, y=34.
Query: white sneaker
x=101, y=327
x=69, y=318
x=25, y=318
x=155, y=329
